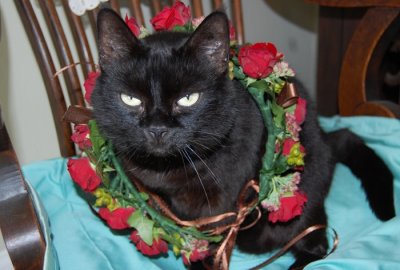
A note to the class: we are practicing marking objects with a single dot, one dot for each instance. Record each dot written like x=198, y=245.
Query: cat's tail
x=375, y=177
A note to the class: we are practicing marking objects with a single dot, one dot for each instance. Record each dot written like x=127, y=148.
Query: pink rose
x=290, y=207
x=170, y=17
x=89, y=84
x=83, y=174
x=157, y=247
x=258, y=60
x=117, y=219
x=133, y=25
x=81, y=136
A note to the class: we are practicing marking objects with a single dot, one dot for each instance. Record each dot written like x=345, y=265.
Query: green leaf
x=215, y=238
x=235, y=60
x=279, y=113
x=261, y=85
x=107, y=168
x=143, y=225
x=144, y=196
x=97, y=140
x=238, y=73
x=291, y=109
x=265, y=178
x=281, y=165
x=250, y=81
x=179, y=28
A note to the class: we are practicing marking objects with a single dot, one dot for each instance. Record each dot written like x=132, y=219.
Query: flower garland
x=261, y=69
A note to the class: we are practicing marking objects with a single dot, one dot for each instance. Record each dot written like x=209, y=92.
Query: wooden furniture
x=70, y=92
x=354, y=36
x=18, y=221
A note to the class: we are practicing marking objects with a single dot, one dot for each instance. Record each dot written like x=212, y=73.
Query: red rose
x=300, y=112
x=89, y=84
x=170, y=17
x=83, y=174
x=117, y=219
x=258, y=60
x=290, y=207
x=158, y=246
x=133, y=25
x=199, y=255
x=81, y=136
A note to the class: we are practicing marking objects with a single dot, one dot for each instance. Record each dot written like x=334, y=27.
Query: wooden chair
x=27, y=252
x=70, y=92
x=18, y=221
x=354, y=36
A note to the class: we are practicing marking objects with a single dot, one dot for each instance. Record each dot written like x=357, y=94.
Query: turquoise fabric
x=50, y=256
x=82, y=241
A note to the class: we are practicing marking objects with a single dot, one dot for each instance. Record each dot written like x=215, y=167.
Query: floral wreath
x=123, y=204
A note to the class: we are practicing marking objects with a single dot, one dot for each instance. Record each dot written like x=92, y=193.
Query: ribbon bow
x=224, y=252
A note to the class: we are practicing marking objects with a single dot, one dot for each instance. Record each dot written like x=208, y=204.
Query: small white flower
x=282, y=69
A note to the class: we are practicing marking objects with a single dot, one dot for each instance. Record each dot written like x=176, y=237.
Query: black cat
x=190, y=134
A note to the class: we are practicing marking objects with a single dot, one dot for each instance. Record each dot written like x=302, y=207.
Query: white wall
x=22, y=94
x=290, y=24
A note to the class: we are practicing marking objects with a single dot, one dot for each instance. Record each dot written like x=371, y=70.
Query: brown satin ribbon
x=81, y=115
x=198, y=223
x=78, y=115
x=224, y=252
x=61, y=70
x=296, y=239
x=288, y=95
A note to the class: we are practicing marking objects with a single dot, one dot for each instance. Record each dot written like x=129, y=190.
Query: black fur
x=376, y=179
x=222, y=135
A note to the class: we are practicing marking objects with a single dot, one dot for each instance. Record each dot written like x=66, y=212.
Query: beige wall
x=290, y=24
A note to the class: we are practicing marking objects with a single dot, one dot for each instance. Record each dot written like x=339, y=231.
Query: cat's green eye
x=189, y=100
x=130, y=101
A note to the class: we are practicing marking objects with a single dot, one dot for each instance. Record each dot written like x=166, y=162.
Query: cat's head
x=167, y=92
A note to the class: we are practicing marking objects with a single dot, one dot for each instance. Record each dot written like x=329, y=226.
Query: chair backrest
x=354, y=40
x=19, y=224
x=72, y=43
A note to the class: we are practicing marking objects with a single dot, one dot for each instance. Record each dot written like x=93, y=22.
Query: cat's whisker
x=184, y=166
x=217, y=140
x=128, y=152
x=211, y=134
x=213, y=176
x=160, y=178
x=133, y=169
x=202, y=146
x=189, y=159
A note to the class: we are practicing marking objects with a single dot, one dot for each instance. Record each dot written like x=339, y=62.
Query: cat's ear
x=211, y=41
x=115, y=39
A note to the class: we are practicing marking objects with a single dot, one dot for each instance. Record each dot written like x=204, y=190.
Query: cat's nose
x=157, y=132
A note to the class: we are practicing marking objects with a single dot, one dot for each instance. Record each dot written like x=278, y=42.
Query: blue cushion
x=82, y=241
